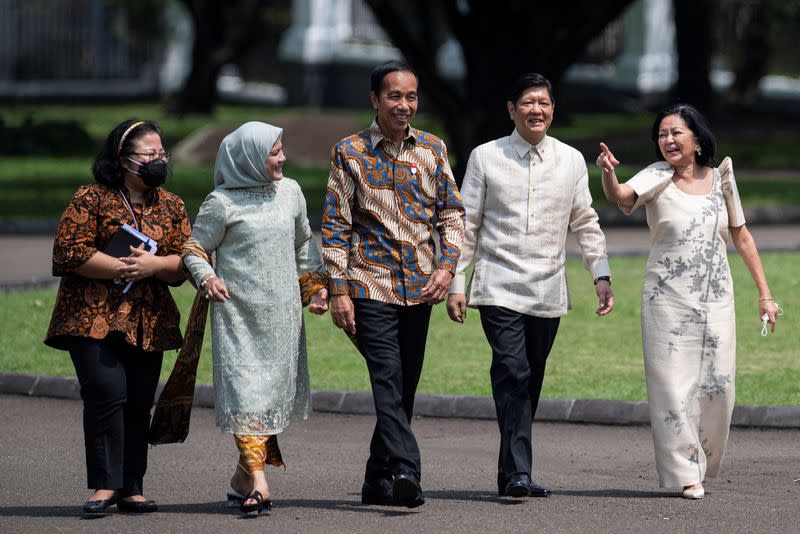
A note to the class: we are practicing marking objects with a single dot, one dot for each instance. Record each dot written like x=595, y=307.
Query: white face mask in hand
x=765, y=320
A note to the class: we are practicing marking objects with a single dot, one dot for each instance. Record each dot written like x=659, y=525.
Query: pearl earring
x=698, y=150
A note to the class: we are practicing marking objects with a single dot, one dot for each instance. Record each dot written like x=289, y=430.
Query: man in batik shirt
x=391, y=201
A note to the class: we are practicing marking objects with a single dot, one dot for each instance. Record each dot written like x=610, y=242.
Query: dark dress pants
x=392, y=340
x=118, y=383
x=520, y=346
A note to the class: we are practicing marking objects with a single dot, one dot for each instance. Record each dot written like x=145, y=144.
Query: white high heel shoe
x=694, y=493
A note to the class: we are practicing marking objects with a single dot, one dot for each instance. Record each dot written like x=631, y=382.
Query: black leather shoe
x=377, y=492
x=539, y=491
x=98, y=507
x=406, y=490
x=137, y=507
x=518, y=485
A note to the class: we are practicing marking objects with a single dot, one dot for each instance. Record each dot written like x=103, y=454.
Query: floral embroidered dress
x=262, y=241
x=688, y=321
x=259, y=232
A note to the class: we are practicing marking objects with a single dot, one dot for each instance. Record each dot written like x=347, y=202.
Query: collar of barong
x=170, y=423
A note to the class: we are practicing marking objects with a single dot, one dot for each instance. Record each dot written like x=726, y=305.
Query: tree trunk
x=755, y=51
x=199, y=93
x=216, y=44
x=694, y=31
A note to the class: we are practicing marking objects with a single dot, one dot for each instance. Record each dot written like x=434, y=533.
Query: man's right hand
x=343, y=313
x=457, y=307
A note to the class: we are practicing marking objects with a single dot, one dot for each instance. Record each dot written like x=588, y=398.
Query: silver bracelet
x=204, y=283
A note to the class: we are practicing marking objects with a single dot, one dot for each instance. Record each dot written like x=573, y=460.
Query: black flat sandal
x=260, y=507
x=235, y=499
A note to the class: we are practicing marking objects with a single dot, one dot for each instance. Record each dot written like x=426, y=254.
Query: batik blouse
x=146, y=315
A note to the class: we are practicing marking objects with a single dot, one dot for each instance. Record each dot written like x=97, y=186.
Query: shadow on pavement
x=208, y=508
x=621, y=494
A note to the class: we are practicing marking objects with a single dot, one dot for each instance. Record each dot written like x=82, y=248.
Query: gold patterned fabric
x=170, y=423
x=256, y=452
x=310, y=283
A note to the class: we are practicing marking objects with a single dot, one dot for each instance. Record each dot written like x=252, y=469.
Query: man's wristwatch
x=606, y=278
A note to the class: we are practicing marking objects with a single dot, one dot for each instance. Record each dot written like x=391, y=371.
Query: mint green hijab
x=242, y=156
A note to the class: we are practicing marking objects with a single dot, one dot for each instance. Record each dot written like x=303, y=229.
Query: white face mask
x=765, y=320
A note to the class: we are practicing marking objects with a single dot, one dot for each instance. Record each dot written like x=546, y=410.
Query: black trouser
x=392, y=340
x=520, y=345
x=118, y=383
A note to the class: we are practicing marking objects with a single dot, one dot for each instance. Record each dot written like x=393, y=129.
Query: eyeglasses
x=154, y=155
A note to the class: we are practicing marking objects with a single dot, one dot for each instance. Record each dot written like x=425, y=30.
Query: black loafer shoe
x=98, y=507
x=539, y=491
x=137, y=507
x=518, y=485
x=406, y=490
x=377, y=492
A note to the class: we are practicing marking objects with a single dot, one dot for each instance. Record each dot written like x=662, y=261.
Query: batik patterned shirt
x=385, y=210
x=146, y=316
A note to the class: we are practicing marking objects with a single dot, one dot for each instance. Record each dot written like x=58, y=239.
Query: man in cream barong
x=521, y=194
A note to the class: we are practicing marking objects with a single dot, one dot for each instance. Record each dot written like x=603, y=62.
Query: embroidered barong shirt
x=520, y=202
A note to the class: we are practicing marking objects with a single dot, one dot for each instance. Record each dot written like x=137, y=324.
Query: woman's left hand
x=319, y=302
x=139, y=265
x=769, y=308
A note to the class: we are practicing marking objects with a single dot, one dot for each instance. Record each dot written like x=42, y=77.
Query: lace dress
x=262, y=242
x=688, y=322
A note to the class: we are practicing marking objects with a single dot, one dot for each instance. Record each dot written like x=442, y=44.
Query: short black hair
x=527, y=81
x=699, y=127
x=106, y=168
x=380, y=72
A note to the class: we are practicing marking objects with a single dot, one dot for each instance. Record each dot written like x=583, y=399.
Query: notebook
x=128, y=236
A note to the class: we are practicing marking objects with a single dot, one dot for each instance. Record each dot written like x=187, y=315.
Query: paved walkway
x=603, y=479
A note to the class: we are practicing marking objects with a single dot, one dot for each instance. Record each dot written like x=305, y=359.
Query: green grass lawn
x=593, y=357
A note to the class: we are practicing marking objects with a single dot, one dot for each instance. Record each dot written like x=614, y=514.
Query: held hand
x=139, y=265
x=770, y=309
x=343, y=313
x=605, y=297
x=457, y=307
x=436, y=289
x=319, y=302
x=606, y=160
x=216, y=289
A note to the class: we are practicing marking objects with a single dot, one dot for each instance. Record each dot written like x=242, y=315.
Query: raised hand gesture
x=606, y=160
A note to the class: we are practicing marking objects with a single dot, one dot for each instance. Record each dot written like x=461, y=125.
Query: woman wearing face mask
x=115, y=315
x=255, y=220
x=687, y=312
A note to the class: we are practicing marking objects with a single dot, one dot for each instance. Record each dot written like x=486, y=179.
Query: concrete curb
x=604, y=412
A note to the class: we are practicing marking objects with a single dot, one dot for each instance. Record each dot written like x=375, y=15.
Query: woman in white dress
x=255, y=222
x=687, y=311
